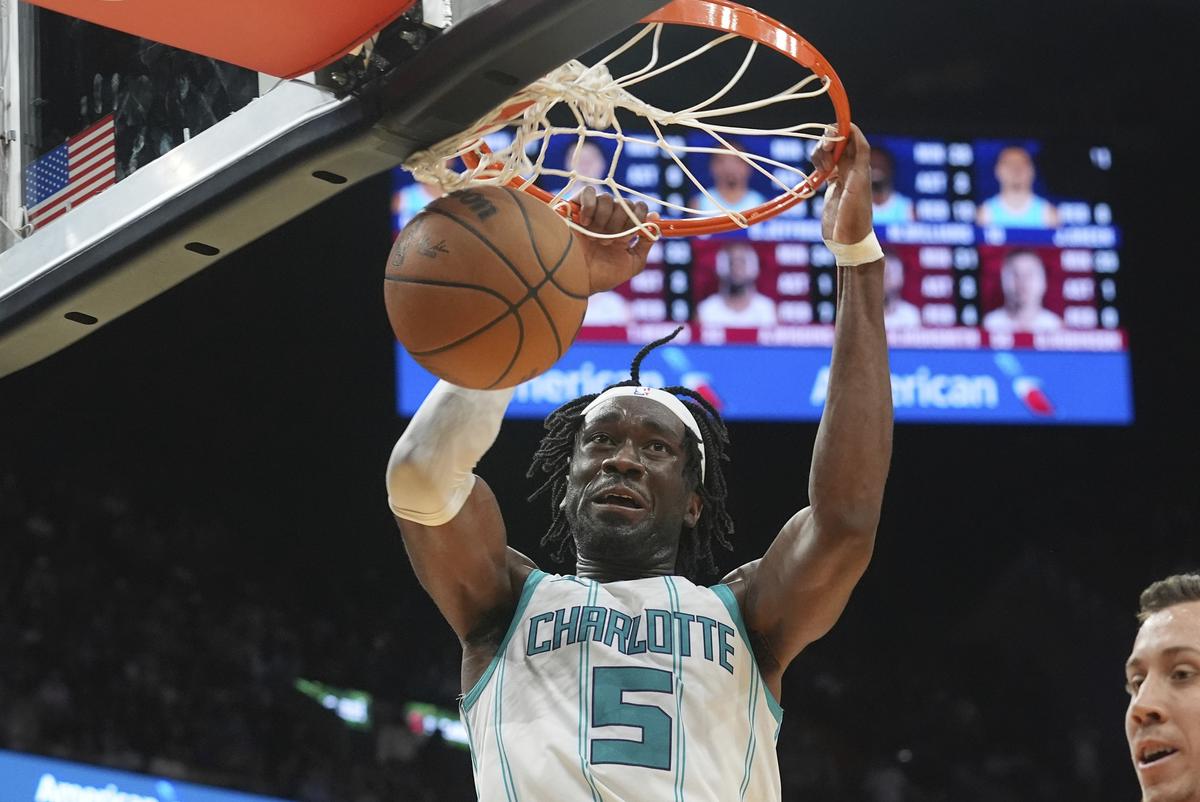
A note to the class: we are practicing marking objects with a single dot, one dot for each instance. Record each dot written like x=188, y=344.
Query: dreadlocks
x=553, y=458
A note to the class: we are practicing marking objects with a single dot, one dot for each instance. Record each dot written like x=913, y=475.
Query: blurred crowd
x=165, y=644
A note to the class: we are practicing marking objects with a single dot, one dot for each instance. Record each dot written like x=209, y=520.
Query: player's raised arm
x=797, y=591
x=451, y=523
x=449, y=518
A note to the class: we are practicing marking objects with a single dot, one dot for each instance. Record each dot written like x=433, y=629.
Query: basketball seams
x=487, y=243
x=559, y=311
x=558, y=349
x=533, y=243
x=442, y=348
x=458, y=285
x=437, y=282
x=430, y=359
x=561, y=259
x=549, y=277
x=516, y=351
x=532, y=290
x=512, y=308
x=537, y=252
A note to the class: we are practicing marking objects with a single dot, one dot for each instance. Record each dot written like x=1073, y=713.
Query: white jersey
x=623, y=692
x=714, y=311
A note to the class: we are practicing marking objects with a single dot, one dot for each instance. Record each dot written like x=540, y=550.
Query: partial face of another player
x=1025, y=281
x=729, y=171
x=587, y=160
x=1162, y=723
x=743, y=268
x=1014, y=170
x=893, y=277
x=627, y=495
x=881, y=173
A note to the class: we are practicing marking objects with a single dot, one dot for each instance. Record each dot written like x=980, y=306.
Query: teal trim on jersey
x=726, y=595
x=584, y=694
x=466, y=720
x=681, y=739
x=531, y=583
x=510, y=787
x=752, y=741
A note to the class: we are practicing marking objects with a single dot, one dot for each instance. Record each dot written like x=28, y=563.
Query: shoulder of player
x=763, y=303
x=490, y=629
x=740, y=582
x=739, y=579
x=519, y=568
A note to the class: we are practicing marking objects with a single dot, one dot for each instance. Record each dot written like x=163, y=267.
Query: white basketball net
x=592, y=96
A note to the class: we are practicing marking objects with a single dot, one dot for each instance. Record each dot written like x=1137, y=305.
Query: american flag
x=71, y=173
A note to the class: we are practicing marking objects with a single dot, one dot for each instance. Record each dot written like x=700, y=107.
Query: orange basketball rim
x=726, y=16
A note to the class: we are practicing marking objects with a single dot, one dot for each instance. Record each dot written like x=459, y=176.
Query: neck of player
x=607, y=569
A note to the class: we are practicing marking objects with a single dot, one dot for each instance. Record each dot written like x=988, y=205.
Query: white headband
x=677, y=407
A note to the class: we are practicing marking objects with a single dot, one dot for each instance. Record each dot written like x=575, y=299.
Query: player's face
x=587, y=160
x=1162, y=723
x=881, y=172
x=627, y=498
x=1027, y=280
x=742, y=267
x=730, y=171
x=1014, y=169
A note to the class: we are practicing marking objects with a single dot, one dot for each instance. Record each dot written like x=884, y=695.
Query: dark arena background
x=200, y=579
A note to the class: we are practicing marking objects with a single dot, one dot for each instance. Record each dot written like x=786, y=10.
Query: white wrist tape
x=860, y=253
x=430, y=473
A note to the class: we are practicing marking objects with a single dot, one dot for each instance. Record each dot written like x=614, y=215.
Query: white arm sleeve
x=429, y=475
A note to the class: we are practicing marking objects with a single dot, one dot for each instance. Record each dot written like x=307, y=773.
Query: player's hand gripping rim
x=847, y=214
x=613, y=260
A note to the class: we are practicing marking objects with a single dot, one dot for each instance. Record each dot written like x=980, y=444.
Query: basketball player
x=890, y=205
x=1163, y=679
x=737, y=301
x=627, y=680
x=731, y=190
x=897, y=313
x=1023, y=279
x=1016, y=205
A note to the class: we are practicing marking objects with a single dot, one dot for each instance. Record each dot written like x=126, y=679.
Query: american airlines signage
x=52, y=789
x=31, y=778
x=945, y=385
x=927, y=388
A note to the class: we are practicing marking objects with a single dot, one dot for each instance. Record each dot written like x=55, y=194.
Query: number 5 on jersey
x=609, y=708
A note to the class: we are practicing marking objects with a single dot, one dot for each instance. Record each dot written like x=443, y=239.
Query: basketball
x=486, y=287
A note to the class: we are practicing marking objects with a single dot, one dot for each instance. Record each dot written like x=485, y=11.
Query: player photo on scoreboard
x=735, y=284
x=569, y=163
x=1011, y=187
x=639, y=300
x=902, y=298
x=737, y=183
x=1022, y=291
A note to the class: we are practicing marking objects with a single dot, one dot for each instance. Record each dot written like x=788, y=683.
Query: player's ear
x=695, y=506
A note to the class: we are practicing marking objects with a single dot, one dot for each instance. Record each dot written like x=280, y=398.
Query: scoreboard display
x=1003, y=286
